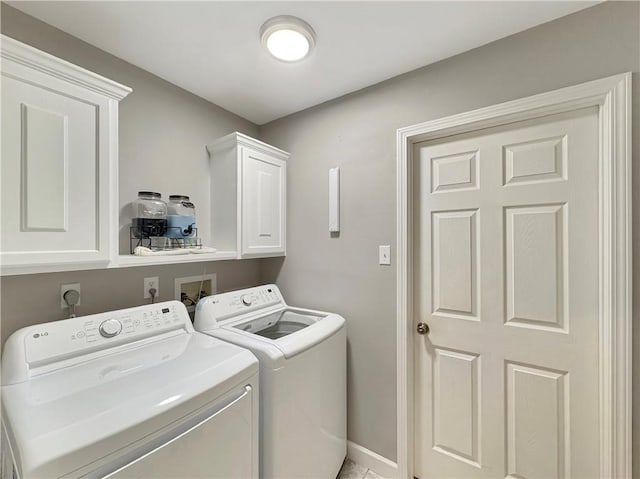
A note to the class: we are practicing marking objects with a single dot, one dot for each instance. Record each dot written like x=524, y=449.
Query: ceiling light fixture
x=287, y=38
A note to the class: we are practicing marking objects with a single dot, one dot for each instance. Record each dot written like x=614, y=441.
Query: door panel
x=454, y=250
x=263, y=204
x=535, y=272
x=456, y=411
x=50, y=171
x=537, y=415
x=454, y=172
x=506, y=276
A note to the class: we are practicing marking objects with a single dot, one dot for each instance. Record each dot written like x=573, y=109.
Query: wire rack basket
x=168, y=242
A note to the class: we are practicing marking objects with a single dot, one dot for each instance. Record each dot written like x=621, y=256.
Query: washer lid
x=261, y=334
x=237, y=316
x=63, y=420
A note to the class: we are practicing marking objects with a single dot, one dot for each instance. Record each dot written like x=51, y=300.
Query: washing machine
x=302, y=355
x=135, y=393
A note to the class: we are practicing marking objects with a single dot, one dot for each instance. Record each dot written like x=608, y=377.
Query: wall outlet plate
x=66, y=287
x=153, y=282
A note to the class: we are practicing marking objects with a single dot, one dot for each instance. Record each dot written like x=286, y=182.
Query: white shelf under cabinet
x=129, y=260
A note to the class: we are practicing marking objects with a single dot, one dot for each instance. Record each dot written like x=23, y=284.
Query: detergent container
x=181, y=217
x=149, y=215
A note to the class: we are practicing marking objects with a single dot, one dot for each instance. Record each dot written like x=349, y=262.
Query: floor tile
x=351, y=470
x=372, y=475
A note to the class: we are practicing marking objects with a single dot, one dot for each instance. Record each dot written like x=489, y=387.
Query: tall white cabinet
x=59, y=163
x=248, y=194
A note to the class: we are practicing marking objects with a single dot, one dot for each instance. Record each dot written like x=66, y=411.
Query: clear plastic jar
x=181, y=217
x=180, y=205
x=149, y=205
x=149, y=215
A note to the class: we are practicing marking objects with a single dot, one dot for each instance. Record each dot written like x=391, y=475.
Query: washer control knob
x=246, y=300
x=110, y=328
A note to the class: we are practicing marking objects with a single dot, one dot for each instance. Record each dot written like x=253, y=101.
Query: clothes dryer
x=135, y=393
x=302, y=355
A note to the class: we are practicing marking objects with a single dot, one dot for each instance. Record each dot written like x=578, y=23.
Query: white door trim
x=612, y=96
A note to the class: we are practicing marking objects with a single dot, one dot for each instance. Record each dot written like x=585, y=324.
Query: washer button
x=110, y=328
x=246, y=300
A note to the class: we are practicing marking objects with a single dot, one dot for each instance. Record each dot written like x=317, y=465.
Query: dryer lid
x=80, y=414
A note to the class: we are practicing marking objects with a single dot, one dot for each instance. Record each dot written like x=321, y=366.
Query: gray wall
x=163, y=129
x=162, y=124
x=357, y=133
x=163, y=133
x=35, y=298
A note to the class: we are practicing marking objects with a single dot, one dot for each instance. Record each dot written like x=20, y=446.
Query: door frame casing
x=612, y=97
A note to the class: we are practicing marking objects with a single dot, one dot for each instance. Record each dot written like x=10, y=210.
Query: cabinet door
x=263, y=205
x=55, y=174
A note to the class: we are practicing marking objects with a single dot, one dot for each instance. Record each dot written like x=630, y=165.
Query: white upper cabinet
x=59, y=163
x=248, y=194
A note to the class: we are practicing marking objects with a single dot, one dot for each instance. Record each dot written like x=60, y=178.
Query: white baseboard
x=371, y=460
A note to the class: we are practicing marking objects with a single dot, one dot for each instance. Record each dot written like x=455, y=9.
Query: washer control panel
x=76, y=336
x=235, y=303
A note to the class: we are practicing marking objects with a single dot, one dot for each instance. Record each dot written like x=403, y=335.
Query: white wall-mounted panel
x=455, y=263
x=536, y=270
x=44, y=169
x=456, y=405
x=537, y=422
x=334, y=200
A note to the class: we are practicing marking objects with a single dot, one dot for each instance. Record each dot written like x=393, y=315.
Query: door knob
x=423, y=328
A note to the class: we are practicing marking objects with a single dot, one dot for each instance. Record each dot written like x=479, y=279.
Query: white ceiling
x=212, y=48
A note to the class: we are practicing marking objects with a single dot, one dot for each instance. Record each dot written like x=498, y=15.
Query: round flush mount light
x=287, y=38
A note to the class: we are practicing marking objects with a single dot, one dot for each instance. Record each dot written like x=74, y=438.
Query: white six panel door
x=506, y=276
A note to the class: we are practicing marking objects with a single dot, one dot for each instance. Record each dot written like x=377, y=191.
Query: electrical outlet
x=66, y=287
x=384, y=254
x=151, y=283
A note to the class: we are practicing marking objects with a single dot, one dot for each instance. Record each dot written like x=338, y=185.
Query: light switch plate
x=384, y=254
